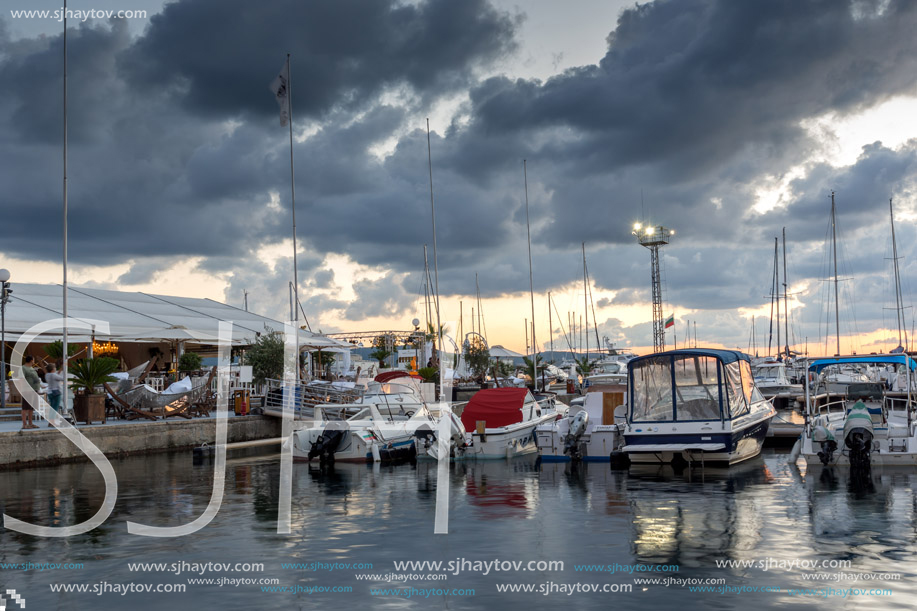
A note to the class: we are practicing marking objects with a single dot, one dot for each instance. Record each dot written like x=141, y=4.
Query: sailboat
x=865, y=421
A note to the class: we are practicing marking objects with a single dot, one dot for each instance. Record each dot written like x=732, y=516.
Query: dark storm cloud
x=142, y=166
x=176, y=151
x=214, y=54
x=692, y=101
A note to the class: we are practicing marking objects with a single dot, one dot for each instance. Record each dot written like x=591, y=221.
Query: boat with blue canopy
x=871, y=422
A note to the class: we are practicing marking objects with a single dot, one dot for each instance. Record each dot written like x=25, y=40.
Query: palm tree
x=583, y=366
x=530, y=369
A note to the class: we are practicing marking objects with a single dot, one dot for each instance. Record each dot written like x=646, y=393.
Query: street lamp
x=4, y=297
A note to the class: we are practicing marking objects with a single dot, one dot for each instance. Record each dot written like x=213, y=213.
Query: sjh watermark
x=95, y=455
x=13, y=598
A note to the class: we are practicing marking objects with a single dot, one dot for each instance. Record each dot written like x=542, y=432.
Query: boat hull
x=594, y=446
x=734, y=447
x=504, y=442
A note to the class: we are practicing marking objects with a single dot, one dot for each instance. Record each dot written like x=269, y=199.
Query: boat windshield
x=676, y=388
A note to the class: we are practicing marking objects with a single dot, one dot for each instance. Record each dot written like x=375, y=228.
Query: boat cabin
x=698, y=385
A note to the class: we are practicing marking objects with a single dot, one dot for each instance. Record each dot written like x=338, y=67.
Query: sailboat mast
x=65, y=353
x=586, y=300
x=777, y=291
x=439, y=327
x=551, y=326
x=786, y=307
x=837, y=316
x=898, y=297
x=528, y=232
x=770, y=332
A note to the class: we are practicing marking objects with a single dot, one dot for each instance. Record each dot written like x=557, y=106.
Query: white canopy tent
x=499, y=352
x=141, y=317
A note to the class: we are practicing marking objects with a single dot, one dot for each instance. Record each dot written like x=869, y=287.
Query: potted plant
x=86, y=376
x=189, y=361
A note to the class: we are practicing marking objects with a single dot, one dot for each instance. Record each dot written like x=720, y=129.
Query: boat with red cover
x=501, y=422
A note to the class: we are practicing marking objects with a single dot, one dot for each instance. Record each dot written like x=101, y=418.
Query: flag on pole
x=670, y=321
x=280, y=87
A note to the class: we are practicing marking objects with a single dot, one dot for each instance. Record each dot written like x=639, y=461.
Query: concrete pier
x=47, y=446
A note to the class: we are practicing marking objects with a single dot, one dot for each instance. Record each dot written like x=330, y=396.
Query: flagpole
x=293, y=200
x=64, y=406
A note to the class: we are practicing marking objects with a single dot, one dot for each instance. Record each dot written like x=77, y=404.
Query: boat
x=868, y=423
x=694, y=405
x=606, y=372
x=772, y=380
x=584, y=433
x=501, y=423
x=374, y=434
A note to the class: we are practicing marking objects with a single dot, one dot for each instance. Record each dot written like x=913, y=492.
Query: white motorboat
x=607, y=372
x=501, y=424
x=696, y=406
x=865, y=424
x=378, y=432
x=772, y=380
x=586, y=432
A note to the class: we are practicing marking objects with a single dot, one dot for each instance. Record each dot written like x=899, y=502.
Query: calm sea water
x=674, y=525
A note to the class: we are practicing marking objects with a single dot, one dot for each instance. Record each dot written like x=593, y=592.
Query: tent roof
x=139, y=315
x=502, y=353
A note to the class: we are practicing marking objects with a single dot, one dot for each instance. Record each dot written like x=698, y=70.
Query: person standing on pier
x=55, y=385
x=31, y=376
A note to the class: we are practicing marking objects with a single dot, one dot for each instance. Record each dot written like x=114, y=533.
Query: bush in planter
x=189, y=361
x=87, y=374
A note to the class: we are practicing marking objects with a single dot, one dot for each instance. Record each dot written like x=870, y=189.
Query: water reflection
x=578, y=513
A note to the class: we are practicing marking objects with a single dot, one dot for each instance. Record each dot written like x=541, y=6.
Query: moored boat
x=696, y=406
x=866, y=423
x=500, y=423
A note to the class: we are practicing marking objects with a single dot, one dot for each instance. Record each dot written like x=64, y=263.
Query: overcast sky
x=724, y=120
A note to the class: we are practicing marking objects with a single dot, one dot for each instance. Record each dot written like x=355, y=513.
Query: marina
x=343, y=350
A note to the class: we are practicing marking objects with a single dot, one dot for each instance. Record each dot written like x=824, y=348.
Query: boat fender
x=374, y=448
x=619, y=460
x=794, y=453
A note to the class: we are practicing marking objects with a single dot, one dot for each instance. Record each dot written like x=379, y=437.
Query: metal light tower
x=652, y=237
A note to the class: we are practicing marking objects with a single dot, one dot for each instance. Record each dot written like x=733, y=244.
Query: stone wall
x=48, y=446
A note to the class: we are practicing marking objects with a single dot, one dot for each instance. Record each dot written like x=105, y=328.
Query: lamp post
x=4, y=297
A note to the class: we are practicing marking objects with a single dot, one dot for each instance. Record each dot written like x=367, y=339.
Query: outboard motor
x=578, y=424
x=858, y=435
x=328, y=440
x=427, y=440
x=822, y=435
